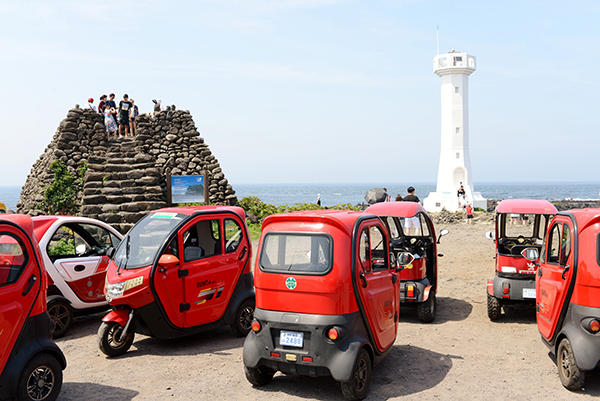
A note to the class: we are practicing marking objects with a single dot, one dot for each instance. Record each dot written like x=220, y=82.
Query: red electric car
x=177, y=272
x=568, y=293
x=412, y=231
x=520, y=224
x=327, y=299
x=31, y=364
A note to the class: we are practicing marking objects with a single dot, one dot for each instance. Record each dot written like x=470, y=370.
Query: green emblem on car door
x=290, y=283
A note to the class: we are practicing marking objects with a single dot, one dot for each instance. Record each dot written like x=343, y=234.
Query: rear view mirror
x=168, y=261
x=110, y=252
x=80, y=249
x=530, y=254
x=490, y=235
x=443, y=232
x=405, y=258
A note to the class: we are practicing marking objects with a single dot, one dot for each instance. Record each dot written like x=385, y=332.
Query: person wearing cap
x=91, y=105
x=124, y=106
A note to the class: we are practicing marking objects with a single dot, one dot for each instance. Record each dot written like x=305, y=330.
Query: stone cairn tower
x=125, y=178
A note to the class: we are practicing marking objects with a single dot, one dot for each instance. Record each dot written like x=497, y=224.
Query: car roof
x=190, y=210
x=397, y=209
x=41, y=224
x=526, y=206
x=584, y=217
x=344, y=219
x=21, y=220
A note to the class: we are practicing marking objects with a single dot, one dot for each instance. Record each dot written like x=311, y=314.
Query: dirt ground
x=460, y=356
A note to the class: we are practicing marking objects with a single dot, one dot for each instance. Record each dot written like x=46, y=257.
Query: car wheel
x=570, y=375
x=259, y=376
x=41, y=379
x=360, y=379
x=109, y=339
x=61, y=314
x=494, y=307
x=243, y=318
x=426, y=310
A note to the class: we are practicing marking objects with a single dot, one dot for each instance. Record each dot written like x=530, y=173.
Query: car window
x=13, y=258
x=394, y=230
x=296, y=253
x=201, y=240
x=364, y=251
x=412, y=226
x=424, y=226
x=553, y=247
x=378, y=249
x=73, y=240
x=565, y=248
x=233, y=235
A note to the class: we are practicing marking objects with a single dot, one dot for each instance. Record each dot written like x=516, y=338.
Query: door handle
x=162, y=270
x=565, y=271
x=539, y=273
x=79, y=268
x=32, y=281
x=394, y=278
x=363, y=279
x=243, y=253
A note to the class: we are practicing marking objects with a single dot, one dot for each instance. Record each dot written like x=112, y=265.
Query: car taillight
x=594, y=326
x=307, y=359
x=333, y=334
x=410, y=291
x=505, y=290
x=256, y=326
x=275, y=354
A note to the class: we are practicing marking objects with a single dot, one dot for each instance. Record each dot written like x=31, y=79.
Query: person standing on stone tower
x=113, y=106
x=109, y=122
x=101, y=104
x=124, y=106
x=133, y=113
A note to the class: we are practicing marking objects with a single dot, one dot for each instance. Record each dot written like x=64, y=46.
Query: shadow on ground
x=448, y=310
x=406, y=370
x=92, y=391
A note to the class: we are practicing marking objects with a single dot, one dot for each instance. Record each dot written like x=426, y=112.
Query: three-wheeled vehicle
x=514, y=282
x=75, y=253
x=412, y=231
x=327, y=299
x=568, y=293
x=177, y=272
x=31, y=364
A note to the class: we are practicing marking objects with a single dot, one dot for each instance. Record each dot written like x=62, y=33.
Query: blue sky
x=315, y=91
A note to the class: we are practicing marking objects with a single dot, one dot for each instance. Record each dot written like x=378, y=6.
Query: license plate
x=528, y=292
x=291, y=338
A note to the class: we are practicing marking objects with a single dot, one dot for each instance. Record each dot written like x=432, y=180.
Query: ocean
x=334, y=194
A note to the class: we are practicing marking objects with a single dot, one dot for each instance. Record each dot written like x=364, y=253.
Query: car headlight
x=117, y=289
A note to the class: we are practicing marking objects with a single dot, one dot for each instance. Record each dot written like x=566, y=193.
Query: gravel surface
x=462, y=355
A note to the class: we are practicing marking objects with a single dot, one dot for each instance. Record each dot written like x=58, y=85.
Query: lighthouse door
x=459, y=177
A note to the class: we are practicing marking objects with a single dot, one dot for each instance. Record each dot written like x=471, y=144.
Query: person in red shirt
x=469, y=213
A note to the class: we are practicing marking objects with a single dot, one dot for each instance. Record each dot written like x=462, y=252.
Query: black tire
x=426, y=310
x=360, y=379
x=61, y=314
x=41, y=379
x=259, y=376
x=570, y=375
x=108, y=339
x=494, y=307
x=243, y=318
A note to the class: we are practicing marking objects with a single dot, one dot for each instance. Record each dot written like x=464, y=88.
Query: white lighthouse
x=455, y=163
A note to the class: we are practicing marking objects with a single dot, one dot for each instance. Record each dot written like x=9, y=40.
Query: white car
x=76, y=252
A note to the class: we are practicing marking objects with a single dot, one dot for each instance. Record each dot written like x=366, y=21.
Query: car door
x=215, y=250
x=20, y=279
x=77, y=251
x=554, y=276
x=377, y=285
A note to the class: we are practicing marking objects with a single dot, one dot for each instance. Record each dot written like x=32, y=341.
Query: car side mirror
x=443, y=232
x=530, y=254
x=168, y=261
x=110, y=252
x=80, y=249
x=490, y=235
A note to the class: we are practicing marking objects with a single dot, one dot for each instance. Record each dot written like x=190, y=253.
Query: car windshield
x=530, y=227
x=139, y=247
x=298, y=253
